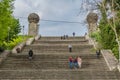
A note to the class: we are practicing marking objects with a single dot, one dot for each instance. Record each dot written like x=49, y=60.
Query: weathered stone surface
x=110, y=59
x=49, y=65
x=33, y=19
x=30, y=41
x=18, y=48
x=37, y=37
x=92, y=19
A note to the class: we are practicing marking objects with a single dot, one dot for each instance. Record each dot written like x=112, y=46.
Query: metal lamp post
x=23, y=32
x=8, y=33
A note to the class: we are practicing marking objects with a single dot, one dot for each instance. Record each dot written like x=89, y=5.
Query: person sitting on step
x=98, y=52
x=75, y=63
x=30, y=54
x=70, y=62
x=79, y=60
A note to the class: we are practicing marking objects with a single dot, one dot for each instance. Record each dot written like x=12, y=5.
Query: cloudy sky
x=71, y=12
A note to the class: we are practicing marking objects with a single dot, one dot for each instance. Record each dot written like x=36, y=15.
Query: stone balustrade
x=19, y=47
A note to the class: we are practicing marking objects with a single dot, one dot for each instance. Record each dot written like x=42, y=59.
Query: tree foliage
x=110, y=28
x=9, y=26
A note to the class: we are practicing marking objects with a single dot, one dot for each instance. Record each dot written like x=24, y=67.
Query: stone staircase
x=50, y=62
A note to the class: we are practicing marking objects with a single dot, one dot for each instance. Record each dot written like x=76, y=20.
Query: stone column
x=33, y=19
x=92, y=19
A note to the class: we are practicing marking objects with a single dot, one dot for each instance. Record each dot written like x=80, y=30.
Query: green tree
x=109, y=28
x=8, y=24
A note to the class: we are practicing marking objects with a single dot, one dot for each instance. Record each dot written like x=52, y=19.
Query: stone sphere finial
x=33, y=17
x=92, y=18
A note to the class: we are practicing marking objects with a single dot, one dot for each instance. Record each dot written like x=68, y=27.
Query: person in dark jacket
x=73, y=34
x=30, y=54
x=98, y=52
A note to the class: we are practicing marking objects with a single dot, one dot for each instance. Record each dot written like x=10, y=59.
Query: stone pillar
x=92, y=27
x=33, y=19
x=33, y=29
x=92, y=19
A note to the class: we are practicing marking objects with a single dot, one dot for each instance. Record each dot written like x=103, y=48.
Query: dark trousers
x=70, y=49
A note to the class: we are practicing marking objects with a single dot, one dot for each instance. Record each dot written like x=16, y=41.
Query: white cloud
x=65, y=10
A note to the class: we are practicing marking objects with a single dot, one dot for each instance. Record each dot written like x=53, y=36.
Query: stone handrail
x=37, y=37
x=30, y=41
x=19, y=47
x=110, y=59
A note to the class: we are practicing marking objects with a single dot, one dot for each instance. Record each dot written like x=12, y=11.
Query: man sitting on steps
x=98, y=52
x=30, y=54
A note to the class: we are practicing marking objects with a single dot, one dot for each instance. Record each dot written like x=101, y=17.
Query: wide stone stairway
x=50, y=62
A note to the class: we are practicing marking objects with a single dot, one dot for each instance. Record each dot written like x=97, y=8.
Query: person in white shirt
x=70, y=48
x=79, y=60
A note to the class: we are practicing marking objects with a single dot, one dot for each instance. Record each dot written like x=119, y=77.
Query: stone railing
x=19, y=47
x=118, y=66
x=91, y=41
x=30, y=41
x=110, y=59
x=16, y=49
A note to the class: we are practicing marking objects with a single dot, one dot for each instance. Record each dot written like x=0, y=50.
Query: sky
x=71, y=12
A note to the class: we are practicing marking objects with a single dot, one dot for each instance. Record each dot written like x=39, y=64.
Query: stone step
x=57, y=51
x=80, y=53
x=17, y=62
x=50, y=62
x=54, y=56
x=58, y=74
x=59, y=38
x=57, y=47
x=75, y=52
x=61, y=42
x=49, y=65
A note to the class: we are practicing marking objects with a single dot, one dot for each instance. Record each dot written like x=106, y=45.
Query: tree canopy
x=9, y=25
x=109, y=28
